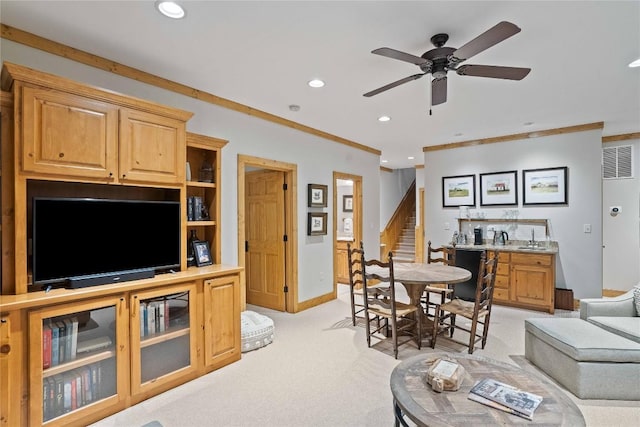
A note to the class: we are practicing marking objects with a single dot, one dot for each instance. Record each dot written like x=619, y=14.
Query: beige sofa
x=596, y=356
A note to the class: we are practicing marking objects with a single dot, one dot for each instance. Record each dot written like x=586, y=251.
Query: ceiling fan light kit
x=440, y=60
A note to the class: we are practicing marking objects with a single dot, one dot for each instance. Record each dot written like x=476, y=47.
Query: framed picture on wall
x=458, y=191
x=545, y=186
x=347, y=203
x=499, y=188
x=316, y=196
x=316, y=223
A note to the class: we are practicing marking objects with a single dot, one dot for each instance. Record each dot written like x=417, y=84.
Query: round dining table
x=416, y=276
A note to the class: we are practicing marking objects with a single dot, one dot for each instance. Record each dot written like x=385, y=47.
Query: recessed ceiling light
x=170, y=9
x=457, y=134
x=316, y=83
x=528, y=123
x=410, y=158
x=384, y=161
x=635, y=63
x=294, y=107
x=384, y=118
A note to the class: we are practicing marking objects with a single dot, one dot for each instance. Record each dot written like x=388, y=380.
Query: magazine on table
x=505, y=397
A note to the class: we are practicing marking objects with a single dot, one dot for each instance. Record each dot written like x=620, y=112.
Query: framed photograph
x=347, y=203
x=202, y=253
x=316, y=223
x=317, y=196
x=545, y=186
x=499, y=188
x=458, y=191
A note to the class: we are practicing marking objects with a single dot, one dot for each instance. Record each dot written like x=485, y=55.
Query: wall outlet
x=587, y=228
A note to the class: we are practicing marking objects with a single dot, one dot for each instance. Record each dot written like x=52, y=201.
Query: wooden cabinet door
x=66, y=134
x=221, y=321
x=93, y=342
x=152, y=148
x=532, y=285
x=342, y=262
x=163, y=338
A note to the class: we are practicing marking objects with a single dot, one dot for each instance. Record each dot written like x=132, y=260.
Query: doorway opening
x=267, y=233
x=347, y=220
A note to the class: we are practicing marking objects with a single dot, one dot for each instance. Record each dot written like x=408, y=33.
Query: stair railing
x=390, y=236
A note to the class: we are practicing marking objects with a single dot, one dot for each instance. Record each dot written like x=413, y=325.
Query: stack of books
x=505, y=397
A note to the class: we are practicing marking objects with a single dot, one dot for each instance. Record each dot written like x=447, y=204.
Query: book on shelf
x=505, y=397
x=46, y=346
x=55, y=344
x=74, y=337
x=62, y=341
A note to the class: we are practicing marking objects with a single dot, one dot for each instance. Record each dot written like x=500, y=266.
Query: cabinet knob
x=110, y=174
x=124, y=175
x=61, y=155
x=5, y=348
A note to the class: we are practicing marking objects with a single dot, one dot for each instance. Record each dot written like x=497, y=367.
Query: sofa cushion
x=583, y=341
x=636, y=299
x=628, y=327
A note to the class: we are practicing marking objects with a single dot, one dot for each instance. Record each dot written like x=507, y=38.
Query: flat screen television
x=79, y=237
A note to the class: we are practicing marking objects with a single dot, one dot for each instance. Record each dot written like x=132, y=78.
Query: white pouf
x=257, y=330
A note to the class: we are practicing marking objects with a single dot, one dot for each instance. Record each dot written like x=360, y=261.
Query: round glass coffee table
x=414, y=398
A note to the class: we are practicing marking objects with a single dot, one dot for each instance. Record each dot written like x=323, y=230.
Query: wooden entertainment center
x=74, y=356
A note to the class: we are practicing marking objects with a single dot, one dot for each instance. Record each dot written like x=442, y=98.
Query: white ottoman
x=257, y=330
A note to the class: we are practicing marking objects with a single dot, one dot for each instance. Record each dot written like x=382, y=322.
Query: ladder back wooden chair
x=478, y=311
x=381, y=307
x=356, y=280
x=445, y=256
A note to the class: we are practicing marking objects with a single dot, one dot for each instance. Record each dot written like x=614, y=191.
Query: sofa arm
x=620, y=306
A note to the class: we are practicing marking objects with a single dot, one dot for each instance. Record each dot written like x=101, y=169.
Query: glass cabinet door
x=78, y=356
x=162, y=336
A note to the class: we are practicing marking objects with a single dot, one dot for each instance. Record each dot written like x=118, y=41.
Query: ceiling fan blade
x=439, y=91
x=493, y=71
x=491, y=37
x=396, y=54
x=394, y=84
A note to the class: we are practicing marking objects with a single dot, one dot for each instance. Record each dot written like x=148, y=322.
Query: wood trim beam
x=383, y=169
x=419, y=166
x=622, y=137
x=515, y=137
x=32, y=40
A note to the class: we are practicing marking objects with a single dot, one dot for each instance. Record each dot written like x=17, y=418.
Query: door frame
x=357, y=217
x=290, y=226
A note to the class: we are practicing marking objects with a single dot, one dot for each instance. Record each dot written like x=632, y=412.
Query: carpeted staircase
x=405, y=250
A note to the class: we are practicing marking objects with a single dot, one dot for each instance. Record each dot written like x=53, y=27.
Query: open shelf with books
x=202, y=184
x=79, y=365
x=164, y=322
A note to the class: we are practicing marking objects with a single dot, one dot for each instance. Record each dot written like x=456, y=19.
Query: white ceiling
x=263, y=53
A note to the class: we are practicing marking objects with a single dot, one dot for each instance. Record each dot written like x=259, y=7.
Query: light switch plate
x=587, y=228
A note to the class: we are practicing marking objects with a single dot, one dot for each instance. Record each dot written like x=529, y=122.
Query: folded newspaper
x=505, y=397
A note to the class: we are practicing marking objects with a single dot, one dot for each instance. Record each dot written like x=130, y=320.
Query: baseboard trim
x=304, y=305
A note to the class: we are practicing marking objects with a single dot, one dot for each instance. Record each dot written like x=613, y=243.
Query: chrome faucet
x=532, y=242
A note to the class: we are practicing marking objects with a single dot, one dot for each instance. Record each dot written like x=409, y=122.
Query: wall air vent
x=617, y=162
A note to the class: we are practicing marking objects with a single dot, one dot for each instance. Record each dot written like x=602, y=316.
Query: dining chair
x=446, y=256
x=477, y=311
x=356, y=281
x=382, y=307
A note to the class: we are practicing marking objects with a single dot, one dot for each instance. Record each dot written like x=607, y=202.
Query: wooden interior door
x=264, y=234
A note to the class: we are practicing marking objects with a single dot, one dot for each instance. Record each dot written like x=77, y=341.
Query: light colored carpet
x=319, y=372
